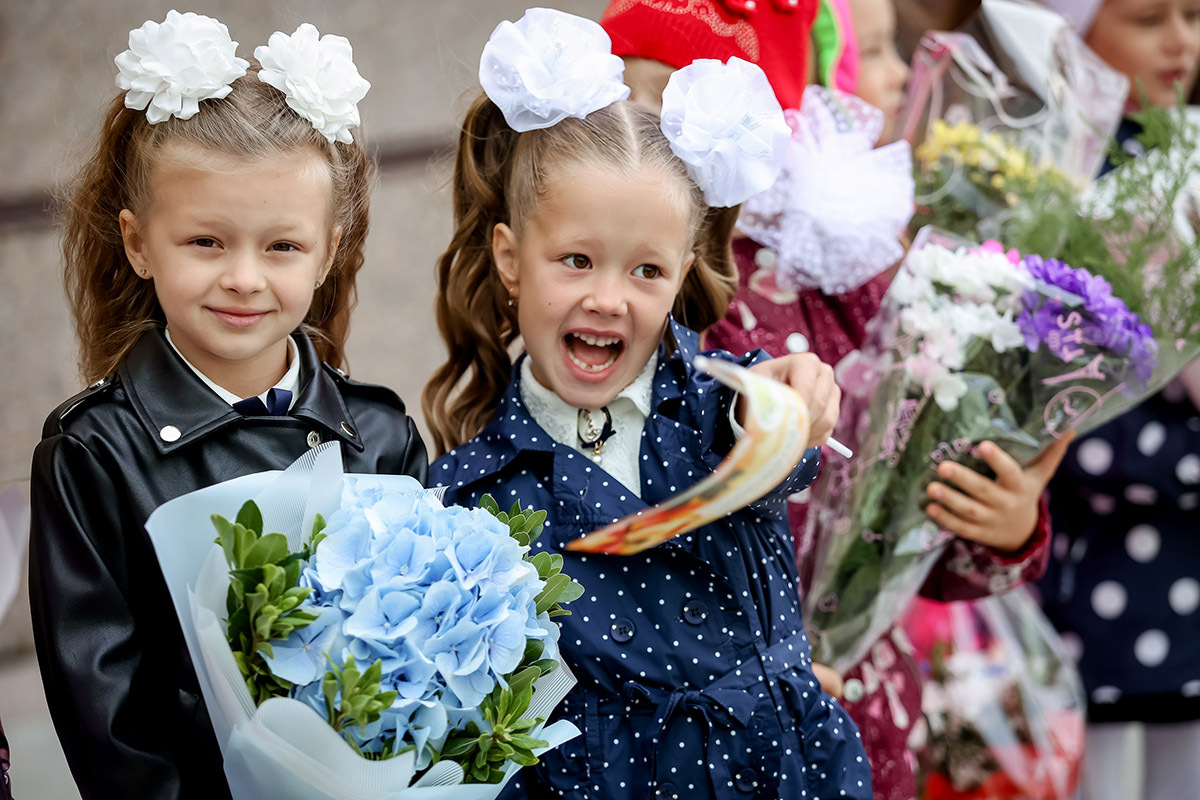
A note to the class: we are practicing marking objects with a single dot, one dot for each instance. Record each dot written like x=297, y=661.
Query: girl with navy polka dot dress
x=591, y=240
x=1123, y=583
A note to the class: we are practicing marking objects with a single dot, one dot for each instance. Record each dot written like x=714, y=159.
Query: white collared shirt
x=629, y=410
x=290, y=380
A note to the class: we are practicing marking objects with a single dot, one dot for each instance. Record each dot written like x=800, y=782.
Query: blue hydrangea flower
x=441, y=596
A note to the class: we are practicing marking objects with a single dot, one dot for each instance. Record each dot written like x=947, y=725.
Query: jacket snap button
x=169, y=434
x=695, y=612
x=349, y=430
x=667, y=790
x=746, y=780
x=853, y=690
x=622, y=631
x=314, y=438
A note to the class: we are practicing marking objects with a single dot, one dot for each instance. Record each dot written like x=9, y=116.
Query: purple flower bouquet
x=971, y=344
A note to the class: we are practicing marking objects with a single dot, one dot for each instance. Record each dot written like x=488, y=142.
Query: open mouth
x=592, y=353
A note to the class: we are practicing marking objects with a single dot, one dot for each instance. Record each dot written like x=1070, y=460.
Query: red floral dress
x=882, y=693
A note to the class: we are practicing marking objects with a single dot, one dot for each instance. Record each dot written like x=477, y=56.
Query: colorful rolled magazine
x=776, y=433
x=1003, y=705
x=354, y=639
x=972, y=343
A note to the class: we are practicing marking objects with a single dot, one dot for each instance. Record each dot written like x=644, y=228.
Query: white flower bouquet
x=971, y=344
x=378, y=645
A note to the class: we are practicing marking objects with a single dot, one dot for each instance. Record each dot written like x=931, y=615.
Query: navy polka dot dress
x=694, y=672
x=1123, y=583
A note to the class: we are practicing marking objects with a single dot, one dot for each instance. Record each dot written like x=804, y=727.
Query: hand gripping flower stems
x=971, y=345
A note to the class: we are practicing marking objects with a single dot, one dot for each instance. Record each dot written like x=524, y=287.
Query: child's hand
x=830, y=681
x=1000, y=513
x=813, y=380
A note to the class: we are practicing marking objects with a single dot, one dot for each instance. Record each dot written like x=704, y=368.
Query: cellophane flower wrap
x=356, y=639
x=1012, y=101
x=972, y=343
x=1003, y=704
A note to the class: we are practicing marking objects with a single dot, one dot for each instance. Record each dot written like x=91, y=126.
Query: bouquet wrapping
x=971, y=344
x=1014, y=101
x=378, y=646
x=1003, y=705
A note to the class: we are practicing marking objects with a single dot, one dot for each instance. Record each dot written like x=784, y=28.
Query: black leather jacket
x=119, y=682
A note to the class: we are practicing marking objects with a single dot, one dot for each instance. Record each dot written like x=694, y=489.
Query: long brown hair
x=110, y=305
x=499, y=176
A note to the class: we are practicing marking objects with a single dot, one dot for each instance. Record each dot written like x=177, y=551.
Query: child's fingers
x=971, y=482
x=1046, y=464
x=956, y=525
x=1008, y=471
x=830, y=681
x=958, y=503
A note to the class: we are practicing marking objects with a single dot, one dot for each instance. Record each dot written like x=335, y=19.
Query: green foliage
x=353, y=700
x=526, y=527
x=484, y=751
x=264, y=598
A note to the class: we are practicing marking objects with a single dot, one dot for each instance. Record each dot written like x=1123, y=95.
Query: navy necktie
x=278, y=401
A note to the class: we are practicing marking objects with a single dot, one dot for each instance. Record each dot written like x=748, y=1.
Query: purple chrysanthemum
x=1107, y=323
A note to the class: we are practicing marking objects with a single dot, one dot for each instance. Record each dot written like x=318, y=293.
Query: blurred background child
x=1123, y=584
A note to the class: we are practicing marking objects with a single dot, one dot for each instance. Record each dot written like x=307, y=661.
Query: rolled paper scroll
x=777, y=428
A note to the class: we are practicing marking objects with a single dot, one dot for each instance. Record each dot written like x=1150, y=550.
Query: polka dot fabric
x=1124, y=577
x=693, y=665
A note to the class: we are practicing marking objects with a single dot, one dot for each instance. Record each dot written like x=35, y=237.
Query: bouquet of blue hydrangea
x=357, y=639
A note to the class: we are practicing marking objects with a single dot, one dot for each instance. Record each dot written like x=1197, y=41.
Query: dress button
x=853, y=690
x=695, y=612
x=348, y=429
x=765, y=258
x=169, y=434
x=667, y=790
x=622, y=631
x=746, y=780
x=314, y=438
x=797, y=343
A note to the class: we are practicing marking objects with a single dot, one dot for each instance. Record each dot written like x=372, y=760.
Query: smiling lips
x=237, y=318
x=593, y=353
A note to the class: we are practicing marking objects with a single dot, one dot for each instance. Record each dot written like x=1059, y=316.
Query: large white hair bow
x=835, y=216
x=724, y=122
x=172, y=65
x=317, y=75
x=550, y=65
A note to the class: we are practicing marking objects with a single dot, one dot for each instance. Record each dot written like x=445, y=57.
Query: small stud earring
x=318, y=286
x=141, y=272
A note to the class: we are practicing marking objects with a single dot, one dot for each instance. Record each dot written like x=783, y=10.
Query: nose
x=243, y=272
x=606, y=294
x=1183, y=36
x=900, y=72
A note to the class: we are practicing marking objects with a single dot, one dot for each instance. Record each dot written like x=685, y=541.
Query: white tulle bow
x=172, y=65
x=724, y=122
x=317, y=75
x=550, y=65
x=837, y=212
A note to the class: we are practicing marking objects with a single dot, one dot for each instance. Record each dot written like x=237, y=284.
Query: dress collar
x=176, y=407
x=561, y=420
x=289, y=382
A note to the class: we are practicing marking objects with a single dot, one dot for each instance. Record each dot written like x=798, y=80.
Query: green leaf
x=250, y=518
x=555, y=586
x=267, y=550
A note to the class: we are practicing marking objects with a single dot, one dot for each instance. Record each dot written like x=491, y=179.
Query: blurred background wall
x=56, y=72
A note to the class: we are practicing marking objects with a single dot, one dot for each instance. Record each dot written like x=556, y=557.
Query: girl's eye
x=284, y=247
x=577, y=261
x=204, y=241
x=647, y=271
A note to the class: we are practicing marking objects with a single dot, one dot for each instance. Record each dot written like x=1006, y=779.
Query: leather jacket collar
x=176, y=408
